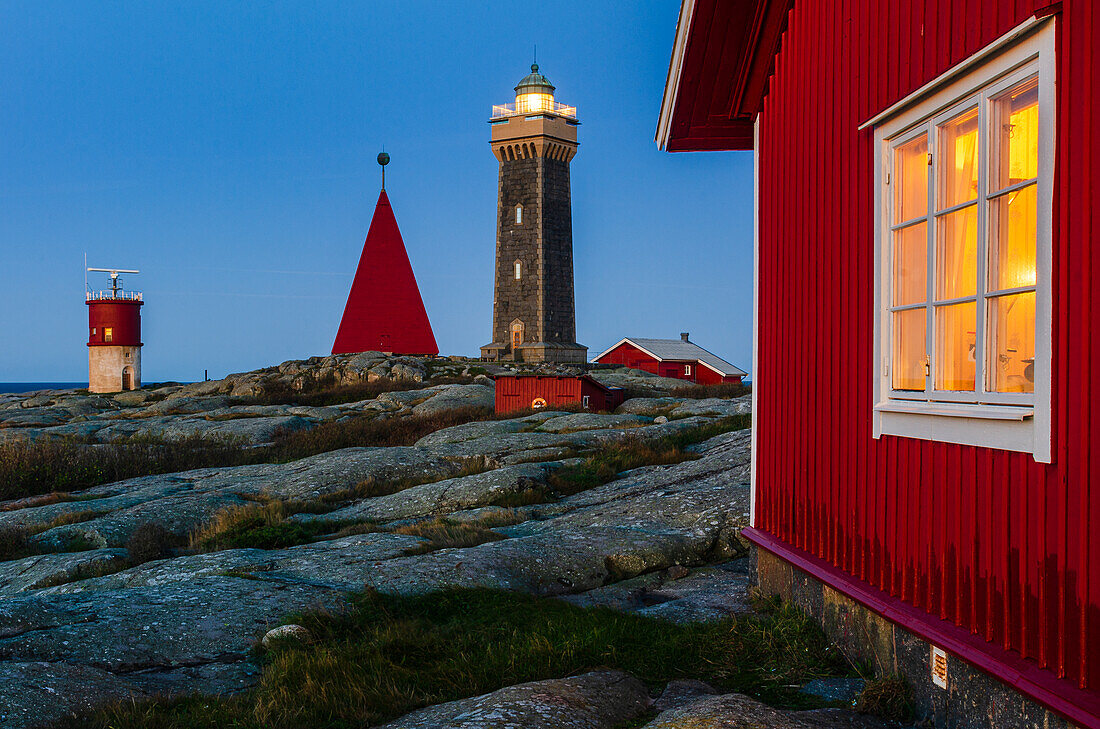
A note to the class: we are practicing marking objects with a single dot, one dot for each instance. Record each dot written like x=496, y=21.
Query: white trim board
x=675, y=68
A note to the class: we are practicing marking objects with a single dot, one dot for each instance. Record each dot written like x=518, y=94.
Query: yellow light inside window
x=527, y=103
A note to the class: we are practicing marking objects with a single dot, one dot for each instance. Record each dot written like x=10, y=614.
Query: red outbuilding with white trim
x=676, y=358
x=536, y=392
x=927, y=173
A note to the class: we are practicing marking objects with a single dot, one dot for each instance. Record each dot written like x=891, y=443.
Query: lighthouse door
x=127, y=379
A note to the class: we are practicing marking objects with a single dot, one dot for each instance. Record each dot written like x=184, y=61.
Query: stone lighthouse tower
x=533, y=307
x=114, y=336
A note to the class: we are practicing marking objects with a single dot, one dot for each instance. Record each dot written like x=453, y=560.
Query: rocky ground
x=78, y=628
x=215, y=408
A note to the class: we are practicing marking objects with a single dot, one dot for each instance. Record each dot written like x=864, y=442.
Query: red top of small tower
x=114, y=316
x=384, y=311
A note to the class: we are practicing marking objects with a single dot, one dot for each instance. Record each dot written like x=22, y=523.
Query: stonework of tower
x=534, y=141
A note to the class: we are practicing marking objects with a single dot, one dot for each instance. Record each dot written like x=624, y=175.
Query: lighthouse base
x=571, y=353
x=114, y=369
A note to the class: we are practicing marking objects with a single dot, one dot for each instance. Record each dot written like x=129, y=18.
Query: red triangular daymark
x=384, y=310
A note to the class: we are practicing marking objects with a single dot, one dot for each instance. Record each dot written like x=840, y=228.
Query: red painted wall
x=518, y=393
x=987, y=540
x=124, y=317
x=630, y=356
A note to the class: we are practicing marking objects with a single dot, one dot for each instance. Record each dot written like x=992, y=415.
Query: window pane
x=955, y=340
x=911, y=180
x=1012, y=340
x=958, y=165
x=957, y=254
x=910, y=264
x=1016, y=136
x=1013, y=239
x=909, y=349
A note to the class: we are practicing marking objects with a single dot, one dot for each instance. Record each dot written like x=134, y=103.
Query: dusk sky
x=228, y=151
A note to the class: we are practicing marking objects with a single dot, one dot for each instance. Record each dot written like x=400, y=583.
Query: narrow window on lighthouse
x=519, y=270
x=519, y=217
x=108, y=334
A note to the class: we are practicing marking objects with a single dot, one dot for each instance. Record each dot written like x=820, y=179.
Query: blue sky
x=227, y=150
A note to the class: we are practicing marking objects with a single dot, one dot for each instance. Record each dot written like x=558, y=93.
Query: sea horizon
x=9, y=388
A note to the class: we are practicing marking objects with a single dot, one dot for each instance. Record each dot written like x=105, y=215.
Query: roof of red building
x=718, y=76
x=384, y=311
x=678, y=350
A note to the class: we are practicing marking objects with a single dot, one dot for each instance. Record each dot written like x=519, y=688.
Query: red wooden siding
x=515, y=393
x=628, y=355
x=986, y=540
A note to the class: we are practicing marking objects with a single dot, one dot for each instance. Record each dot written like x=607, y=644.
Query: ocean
x=9, y=387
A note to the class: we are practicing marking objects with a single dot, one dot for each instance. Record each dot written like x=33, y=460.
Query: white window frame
x=687, y=370
x=1003, y=421
x=585, y=401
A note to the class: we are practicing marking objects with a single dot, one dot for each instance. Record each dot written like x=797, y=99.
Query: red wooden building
x=677, y=358
x=535, y=392
x=926, y=176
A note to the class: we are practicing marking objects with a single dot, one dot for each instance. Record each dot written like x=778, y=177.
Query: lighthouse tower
x=533, y=307
x=114, y=336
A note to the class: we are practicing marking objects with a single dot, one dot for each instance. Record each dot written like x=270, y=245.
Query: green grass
x=59, y=466
x=608, y=460
x=389, y=655
x=890, y=697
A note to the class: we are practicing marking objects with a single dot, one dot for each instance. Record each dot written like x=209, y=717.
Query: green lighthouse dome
x=534, y=83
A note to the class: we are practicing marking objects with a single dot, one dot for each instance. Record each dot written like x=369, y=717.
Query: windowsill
x=957, y=410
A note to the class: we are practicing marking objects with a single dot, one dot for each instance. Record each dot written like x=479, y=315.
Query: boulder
x=290, y=633
x=681, y=692
x=592, y=421
x=455, y=397
x=736, y=711
x=599, y=700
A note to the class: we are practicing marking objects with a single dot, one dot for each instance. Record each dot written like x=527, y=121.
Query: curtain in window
x=957, y=253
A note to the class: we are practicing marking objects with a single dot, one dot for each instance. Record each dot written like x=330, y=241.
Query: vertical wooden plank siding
x=989, y=540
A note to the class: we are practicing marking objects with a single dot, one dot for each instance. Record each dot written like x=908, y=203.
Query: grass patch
x=63, y=465
x=890, y=697
x=446, y=533
x=262, y=526
x=609, y=460
x=326, y=392
x=44, y=468
x=389, y=655
x=726, y=390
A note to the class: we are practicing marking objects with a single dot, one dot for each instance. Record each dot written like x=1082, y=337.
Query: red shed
x=678, y=358
x=926, y=177
x=525, y=392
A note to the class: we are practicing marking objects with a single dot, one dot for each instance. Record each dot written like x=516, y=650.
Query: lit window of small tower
x=519, y=270
x=519, y=217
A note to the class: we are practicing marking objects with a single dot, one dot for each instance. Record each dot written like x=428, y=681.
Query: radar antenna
x=116, y=282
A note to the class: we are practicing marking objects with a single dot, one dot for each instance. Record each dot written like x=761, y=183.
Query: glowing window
x=964, y=251
x=519, y=270
x=108, y=334
x=519, y=215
